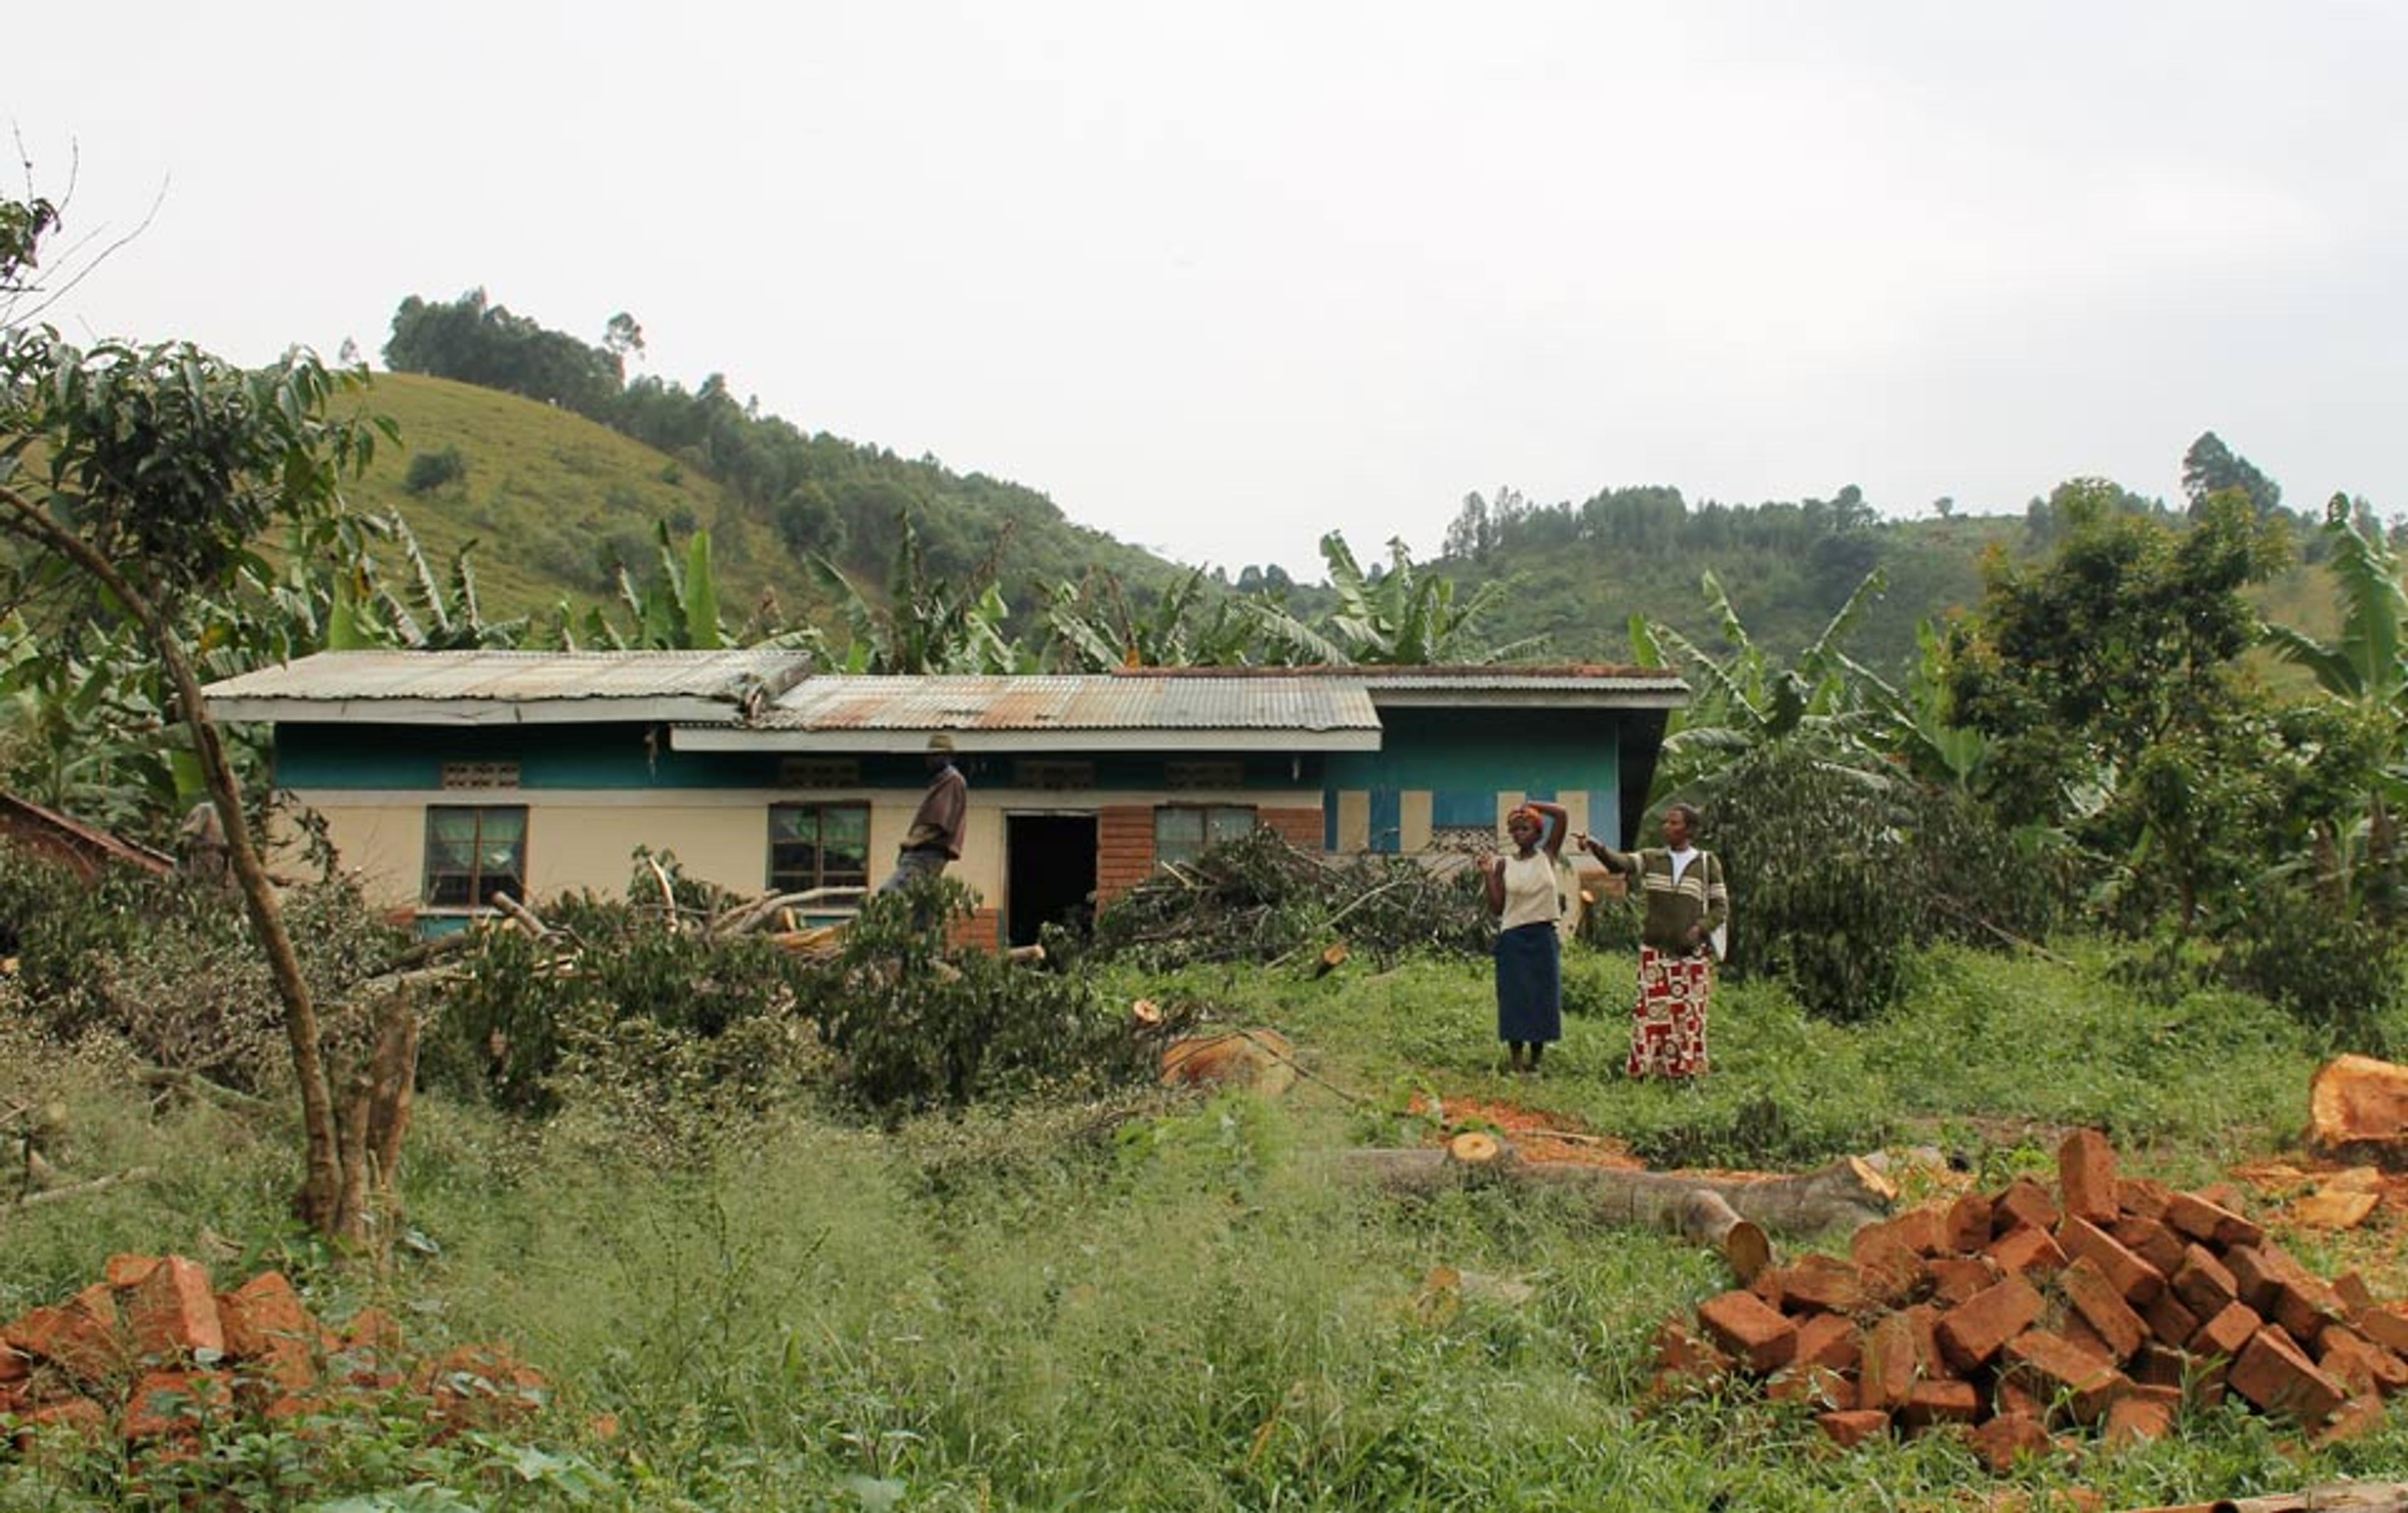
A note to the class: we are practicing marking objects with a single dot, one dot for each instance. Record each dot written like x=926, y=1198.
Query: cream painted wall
x=588, y=839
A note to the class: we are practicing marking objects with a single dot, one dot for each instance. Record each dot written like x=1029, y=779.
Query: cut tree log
x=1733, y=1214
x=1332, y=957
x=2337, y=1497
x=2358, y=1110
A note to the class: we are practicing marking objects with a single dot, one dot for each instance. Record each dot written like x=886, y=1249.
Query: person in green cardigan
x=1686, y=903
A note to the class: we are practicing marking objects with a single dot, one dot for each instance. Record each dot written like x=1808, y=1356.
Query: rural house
x=446, y=777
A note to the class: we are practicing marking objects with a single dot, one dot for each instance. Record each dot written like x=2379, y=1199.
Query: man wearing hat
x=935, y=837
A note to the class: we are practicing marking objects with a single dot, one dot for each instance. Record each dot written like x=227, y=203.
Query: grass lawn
x=1172, y=1303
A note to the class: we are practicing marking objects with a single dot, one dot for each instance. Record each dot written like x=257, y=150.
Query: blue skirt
x=1529, y=984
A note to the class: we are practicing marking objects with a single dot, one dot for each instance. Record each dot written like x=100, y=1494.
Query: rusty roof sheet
x=468, y=686
x=1098, y=702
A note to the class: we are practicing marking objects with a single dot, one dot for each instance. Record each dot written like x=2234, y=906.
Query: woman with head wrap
x=1687, y=904
x=1523, y=895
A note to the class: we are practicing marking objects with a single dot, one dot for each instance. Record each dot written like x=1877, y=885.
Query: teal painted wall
x=624, y=756
x=1465, y=758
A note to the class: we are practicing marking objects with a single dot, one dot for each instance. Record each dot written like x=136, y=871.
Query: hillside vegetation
x=556, y=503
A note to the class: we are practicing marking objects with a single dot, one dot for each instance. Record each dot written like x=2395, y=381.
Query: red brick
x=2201, y=1220
x=2008, y=1438
x=2160, y=1365
x=1954, y=1279
x=2355, y=1295
x=2226, y=1332
x=1889, y=1269
x=1940, y=1400
x=2085, y=1175
x=2168, y=1321
x=14, y=1366
x=2273, y=1373
x=77, y=1413
x=2138, y=1197
x=1853, y=1427
x=2028, y=1251
x=1967, y=1227
x=2024, y=1201
x=173, y=1402
x=171, y=1311
x=2357, y=1362
x=125, y=1271
x=2359, y=1416
x=2134, y=1420
x=1819, y=1284
x=2304, y=1307
x=2134, y=1278
x=1923, y=1321
x=2085, y=1285
x=1922, y=1230
x=1741, y=1324
x=2065, y=1319
x=2152, y=1242
x=1885, y=1372
x=72, y=1336
x=1829, y=1340
x=1683, y=1352
x=268, y=1327
x=1972, y=1334
x=2259, y=1273
x=2387, y=1327
x=2055, y=1371
x=2203, y=1283
x=1818, y=1387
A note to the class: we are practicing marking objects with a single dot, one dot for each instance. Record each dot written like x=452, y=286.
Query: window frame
x=1208, y=817
x=480, y=883
x=788, y=880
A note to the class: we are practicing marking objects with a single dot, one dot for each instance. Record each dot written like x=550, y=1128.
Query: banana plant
x=2366, y=669
x=1399, y=618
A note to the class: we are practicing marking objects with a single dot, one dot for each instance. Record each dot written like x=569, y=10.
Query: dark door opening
x=1048, y=873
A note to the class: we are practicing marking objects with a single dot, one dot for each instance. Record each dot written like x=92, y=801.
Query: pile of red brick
x=151, y=1353
x=2111, y=1303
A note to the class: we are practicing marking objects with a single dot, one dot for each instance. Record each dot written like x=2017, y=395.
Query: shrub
x=1837, y=873
x=501, y=1031
x=2347, y=977
x=916, y=1027
x=432, y=470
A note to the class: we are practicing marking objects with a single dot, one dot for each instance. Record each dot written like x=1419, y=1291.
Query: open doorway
x=1048, y=873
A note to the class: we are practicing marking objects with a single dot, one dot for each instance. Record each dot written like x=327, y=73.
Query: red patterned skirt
x=1667, y=1028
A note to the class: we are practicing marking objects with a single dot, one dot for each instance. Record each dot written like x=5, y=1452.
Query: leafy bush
x=504, y=1030
x=169, y=964
x=2347, y=977
x=1258, y=899
x=915, y=1026
x=1837, y=873
x=432, y=470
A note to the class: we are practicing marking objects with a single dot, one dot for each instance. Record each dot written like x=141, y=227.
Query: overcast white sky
x=1219, y=278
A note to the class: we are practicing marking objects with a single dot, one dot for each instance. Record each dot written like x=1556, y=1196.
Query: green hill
x=555, y=502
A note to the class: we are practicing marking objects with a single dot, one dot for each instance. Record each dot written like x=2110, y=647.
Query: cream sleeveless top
x=1529, y=891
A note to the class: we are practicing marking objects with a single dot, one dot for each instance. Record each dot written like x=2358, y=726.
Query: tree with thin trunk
x=137, y=478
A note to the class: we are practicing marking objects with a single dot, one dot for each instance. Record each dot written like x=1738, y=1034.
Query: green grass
x=1172, y=1303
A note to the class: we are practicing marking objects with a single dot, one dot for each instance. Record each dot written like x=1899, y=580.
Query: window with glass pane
x=818, y=846
x=1182, y=830
x=474, y=852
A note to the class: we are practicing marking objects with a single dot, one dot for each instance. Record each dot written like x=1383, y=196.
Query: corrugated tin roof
x=1030, y=711
x=471, y=686
x=1036, y=702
